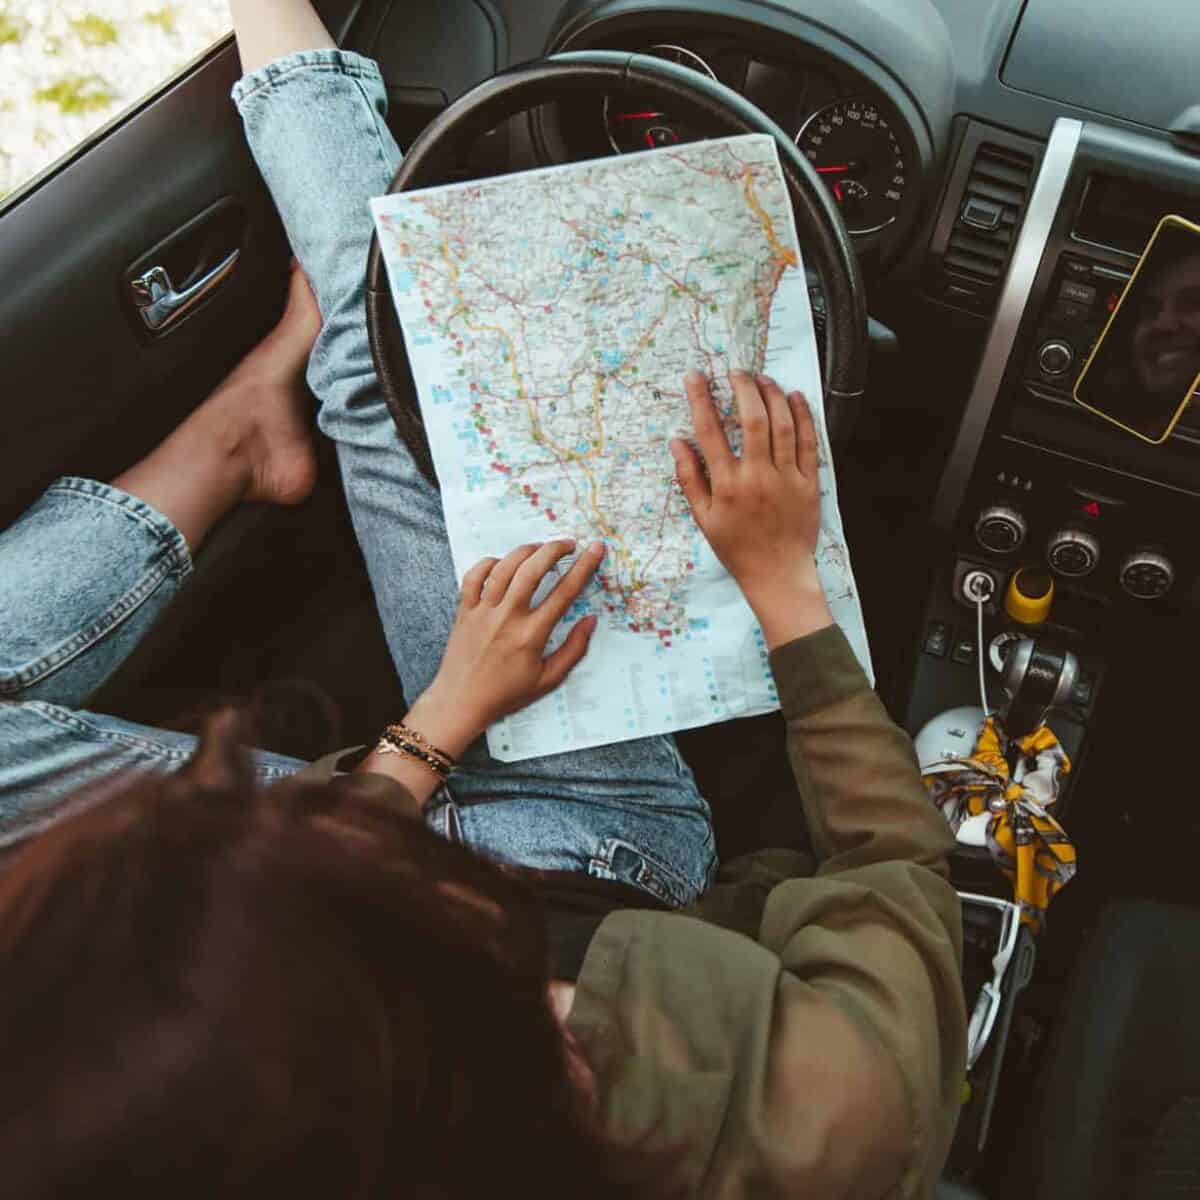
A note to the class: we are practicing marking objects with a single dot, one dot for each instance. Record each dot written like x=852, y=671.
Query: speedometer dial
x=855, y=150
x=631, y=125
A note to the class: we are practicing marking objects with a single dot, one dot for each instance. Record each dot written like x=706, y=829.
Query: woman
x=201, y=985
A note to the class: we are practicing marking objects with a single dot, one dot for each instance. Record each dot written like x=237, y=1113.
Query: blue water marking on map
x=475, y=478
x=442, y=394
x=423, y=339
x=611, y=360
x=402, y=278
x=698, y=624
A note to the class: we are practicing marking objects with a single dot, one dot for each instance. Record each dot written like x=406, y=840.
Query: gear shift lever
x=1035, y=680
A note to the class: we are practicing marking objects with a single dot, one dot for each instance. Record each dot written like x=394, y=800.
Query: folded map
x=549, y=318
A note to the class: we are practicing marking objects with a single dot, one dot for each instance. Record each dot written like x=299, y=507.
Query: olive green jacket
x=798, y=1033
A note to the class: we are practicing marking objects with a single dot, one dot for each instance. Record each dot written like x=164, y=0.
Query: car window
x=68, y=69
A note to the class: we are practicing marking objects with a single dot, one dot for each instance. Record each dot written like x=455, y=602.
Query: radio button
x=1073, y=553
x=1078, y=293
x=1076, y=268
x=1066, y=311
x=1056, y=357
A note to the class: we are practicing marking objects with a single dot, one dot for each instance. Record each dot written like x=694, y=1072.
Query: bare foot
x=250, y=440
x=260, y=412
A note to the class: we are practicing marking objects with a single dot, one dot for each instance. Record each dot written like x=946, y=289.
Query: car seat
x=1116, y=1111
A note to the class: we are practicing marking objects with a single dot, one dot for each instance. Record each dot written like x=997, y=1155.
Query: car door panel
x=82, y=387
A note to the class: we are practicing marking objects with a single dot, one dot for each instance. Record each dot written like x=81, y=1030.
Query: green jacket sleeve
x=823, y=1056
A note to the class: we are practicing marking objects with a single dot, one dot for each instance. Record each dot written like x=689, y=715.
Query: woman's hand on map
x=495, y=660
x=761, y=512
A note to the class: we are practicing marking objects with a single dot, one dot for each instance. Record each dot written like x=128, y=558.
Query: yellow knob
x=1029, y=596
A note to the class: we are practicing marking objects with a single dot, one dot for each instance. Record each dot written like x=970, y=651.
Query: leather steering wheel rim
x=827, y=246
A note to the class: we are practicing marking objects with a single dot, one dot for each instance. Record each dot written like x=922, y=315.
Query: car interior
x=974, y=183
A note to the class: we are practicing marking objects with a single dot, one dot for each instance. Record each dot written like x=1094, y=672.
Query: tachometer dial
x=631, y=125
x=856, y=151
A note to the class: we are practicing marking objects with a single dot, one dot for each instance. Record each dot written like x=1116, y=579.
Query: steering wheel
x=693, y=97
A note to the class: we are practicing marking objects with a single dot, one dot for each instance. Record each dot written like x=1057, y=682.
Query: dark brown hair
x=210, y=989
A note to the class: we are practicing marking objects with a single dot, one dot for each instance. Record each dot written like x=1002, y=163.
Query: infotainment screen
x=1146, y=364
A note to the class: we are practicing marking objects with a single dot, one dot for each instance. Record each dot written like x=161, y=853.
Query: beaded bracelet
x=399, y=739
x=411, y=735
x=388, y=745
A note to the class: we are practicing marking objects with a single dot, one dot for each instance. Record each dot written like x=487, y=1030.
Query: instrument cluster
x=857, y=141
x=851, y=141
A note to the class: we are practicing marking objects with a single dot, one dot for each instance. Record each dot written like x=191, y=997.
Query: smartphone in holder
x=1146, y=363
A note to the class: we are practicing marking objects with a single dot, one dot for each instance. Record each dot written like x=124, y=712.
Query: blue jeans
x=87, y=570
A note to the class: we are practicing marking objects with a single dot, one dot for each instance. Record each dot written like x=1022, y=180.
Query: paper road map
x=549, y=318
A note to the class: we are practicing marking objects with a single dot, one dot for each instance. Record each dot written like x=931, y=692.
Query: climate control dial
x=1073, y=552
x=1000, y=529
x=1146, y=574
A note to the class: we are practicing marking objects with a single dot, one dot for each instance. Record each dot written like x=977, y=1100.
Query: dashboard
x=933, y=123
x=999, y=165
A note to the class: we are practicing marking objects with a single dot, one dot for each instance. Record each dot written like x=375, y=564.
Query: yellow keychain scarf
x=1023, y=839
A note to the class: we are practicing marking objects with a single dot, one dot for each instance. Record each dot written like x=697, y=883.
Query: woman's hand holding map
x=761, y=512
x=493, y=664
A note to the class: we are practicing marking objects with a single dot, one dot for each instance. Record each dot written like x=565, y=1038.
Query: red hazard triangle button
x=1091, y=509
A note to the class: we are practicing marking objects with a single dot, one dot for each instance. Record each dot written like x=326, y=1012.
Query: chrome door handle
x=161, y=305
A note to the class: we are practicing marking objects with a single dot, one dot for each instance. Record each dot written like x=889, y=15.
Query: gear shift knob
x=1036, y=678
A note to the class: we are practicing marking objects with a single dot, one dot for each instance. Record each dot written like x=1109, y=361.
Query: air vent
x=991, y=211
x=984, y=226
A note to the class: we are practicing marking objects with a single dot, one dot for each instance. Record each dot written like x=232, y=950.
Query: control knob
x=1056, y=357
x=1000, y=529
x=1073, y=552
x=1146, y=574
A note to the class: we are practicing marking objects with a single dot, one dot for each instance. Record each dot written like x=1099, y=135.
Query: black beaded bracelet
x=411, y=735
x=393, y=742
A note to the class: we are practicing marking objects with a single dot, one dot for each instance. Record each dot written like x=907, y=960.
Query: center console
x=1033, y=479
